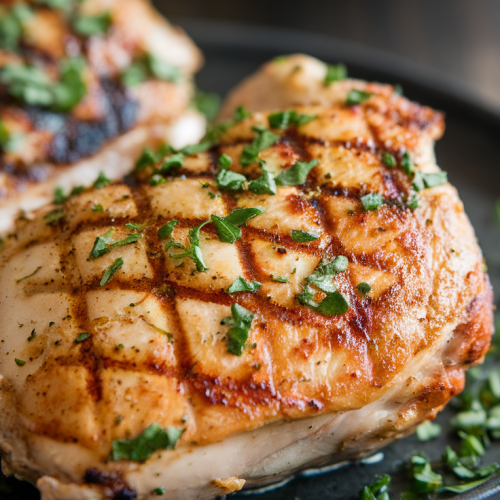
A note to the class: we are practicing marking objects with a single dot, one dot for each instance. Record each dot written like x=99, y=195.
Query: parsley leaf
x=29, y=275
x=378, y=487
x=265, y=139
x=227, y=232
x=101, y=243
x=296, y=174
x=101, y=181
x=428, y=430
x=111, y=271
x=19, y=362
x=131, y=238
x=240, y=285
x=163, y=70
x=54, y=216
x=173, y=162
x=229, y=180
x=335, y=72
x=265, y=184
x=424, y=181
x=149, y=66
x=92, y=25
x=193, y=251
x=167, y=230
x=364, y=289
x=240, y=323
x=139, y=449
x=241, y=113
x=425, y=480
x=355, y=97
x=82, y=337
x=372, y=201
x=334, y=303
x=241, y=216
x=303, y=236
x=207, y=103
x=286, y=119
x=407, y=164
x=71, y=88
x=280, y=279
x=147, y=159
x=388, y=160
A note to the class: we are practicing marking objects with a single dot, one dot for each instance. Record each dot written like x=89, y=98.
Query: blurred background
x=458, y=38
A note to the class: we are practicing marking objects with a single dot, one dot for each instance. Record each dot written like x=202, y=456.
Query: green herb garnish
x=153, y=438
x=193, y=251
x=19, y=362
x=207, y=103
x=81, y=337
x=229, y=180
x=290, y=118
x=389, y=160
x=101, y=181
x=335, y=73
x=240, y=285
x=32, y=335
x=296, y=174
x=428, y=430
x=364, y=289
x=265, y=139
x=241, y=216
x=376, y=490
x=227, y=227
x=92, y=25
x=424, y=181
x=111, y=271
x=265, y=184
x=303, y=236
x=167, y=230
x=279, y=279
x=372, y=201
x=355, y=97
x=407, y=164
x=425, y=480
x=172, y=163
x=29, y=275
x=159, y=491
x=241, y=113
x=240, y=323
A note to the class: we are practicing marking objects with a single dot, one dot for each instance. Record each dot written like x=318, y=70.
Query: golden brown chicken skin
x=75, y=78
x=302, y=289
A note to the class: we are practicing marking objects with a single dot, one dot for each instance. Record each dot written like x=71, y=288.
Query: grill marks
x=353, y=329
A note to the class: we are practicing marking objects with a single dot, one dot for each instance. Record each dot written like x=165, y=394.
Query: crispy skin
x=308, y=389
x=54, y=145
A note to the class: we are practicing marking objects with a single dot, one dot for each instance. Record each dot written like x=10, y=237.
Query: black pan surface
x=469, y=152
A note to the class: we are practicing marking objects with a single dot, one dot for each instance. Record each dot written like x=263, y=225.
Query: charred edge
x=112, y=480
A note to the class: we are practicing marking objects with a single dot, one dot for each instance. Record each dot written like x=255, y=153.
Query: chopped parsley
x=29, y=275
x=296, y=174
x=147, y=159
x=103, y=242
x=159, y=491
x=240, y=323
x=32, y=335
x=31, y=85
x=193, y=251
x=364, y=289
x=101, y=181
x=82, y=337
x=303, y=236
x=98, y=208
x=149, y=66
x=172, y=163
x=424, y=181
x=413, y=201
x=265, y=139
x=135, y=227
x=166, y=230
x=19, y=362
x=207, y=103
x=265, y=184
x=407, y=164
x=241, y=113
x=227, y=227
x=389, y=160
x=229, y=180
x=335, y=73
x=290, y=118
x=428, y=430
x=377, y=490
x=372, y=201
x=279, y=279
x=425, y=480
x=355, y=97
x=140, y=448
x=111, y=271
x=11, y=25
x=334, y=303
x=92, y=25
x=240, y=285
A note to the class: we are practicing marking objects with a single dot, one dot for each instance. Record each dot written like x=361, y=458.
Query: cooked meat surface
x=84, y=86
x=300, y=290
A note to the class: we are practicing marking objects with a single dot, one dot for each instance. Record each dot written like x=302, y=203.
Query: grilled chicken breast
x=301, y=289
x=84, y=86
